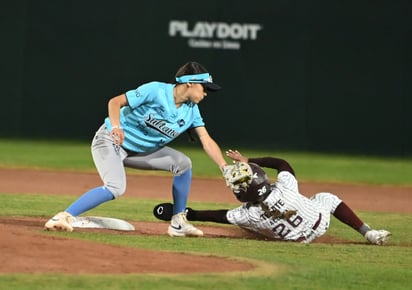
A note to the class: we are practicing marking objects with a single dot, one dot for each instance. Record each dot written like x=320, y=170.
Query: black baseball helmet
x=256, y=188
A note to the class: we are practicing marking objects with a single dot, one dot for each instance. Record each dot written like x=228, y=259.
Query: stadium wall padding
x=327, y=76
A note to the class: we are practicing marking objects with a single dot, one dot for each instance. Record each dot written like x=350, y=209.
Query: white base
x=97, y=222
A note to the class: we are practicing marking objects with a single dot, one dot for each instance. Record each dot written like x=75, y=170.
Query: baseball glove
x=248, y=182
x=238, y=175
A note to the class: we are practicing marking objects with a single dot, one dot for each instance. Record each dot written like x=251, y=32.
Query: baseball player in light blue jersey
x=277, y=210
x=139, y=125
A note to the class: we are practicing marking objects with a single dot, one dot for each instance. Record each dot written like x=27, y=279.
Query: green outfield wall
x=331, y=76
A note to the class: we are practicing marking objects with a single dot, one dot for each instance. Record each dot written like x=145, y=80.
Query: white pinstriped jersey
x=293, y=216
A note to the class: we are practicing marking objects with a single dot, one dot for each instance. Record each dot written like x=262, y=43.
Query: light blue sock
x=181, y=188
x=90, y=200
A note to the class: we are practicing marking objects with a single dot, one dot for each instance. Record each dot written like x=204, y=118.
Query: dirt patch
x=359, y=197
x=26, y=248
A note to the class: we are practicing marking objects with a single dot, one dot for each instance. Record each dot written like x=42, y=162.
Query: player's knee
x=329, y=200
x=181, y=165
x=116, y=188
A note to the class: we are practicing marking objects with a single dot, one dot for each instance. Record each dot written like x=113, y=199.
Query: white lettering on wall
x=218, y=35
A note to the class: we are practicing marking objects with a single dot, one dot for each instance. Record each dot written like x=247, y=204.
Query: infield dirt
x=26, y=248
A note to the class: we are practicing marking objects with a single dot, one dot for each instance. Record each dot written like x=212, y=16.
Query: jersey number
x=281, y=230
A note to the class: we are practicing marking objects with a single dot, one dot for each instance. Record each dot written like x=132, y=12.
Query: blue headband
x=197, y=78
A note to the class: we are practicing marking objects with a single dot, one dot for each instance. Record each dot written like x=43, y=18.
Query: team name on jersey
x=160, y=126
x=277, y=211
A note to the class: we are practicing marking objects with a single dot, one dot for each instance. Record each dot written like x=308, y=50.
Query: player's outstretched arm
x=274, y=163
x=236, y=155
x=268, y=162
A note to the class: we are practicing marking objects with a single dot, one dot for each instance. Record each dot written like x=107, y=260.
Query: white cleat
x=60, y=222
x=377, y=237
x=180, y=227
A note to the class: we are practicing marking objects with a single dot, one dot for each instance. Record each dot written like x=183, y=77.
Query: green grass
x=289, y=266
x=67, y=155
x=308, y=166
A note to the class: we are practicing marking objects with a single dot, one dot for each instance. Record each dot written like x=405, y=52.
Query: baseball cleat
x=60, y=222
x=163, y=211
x=377, y=237
x=180, y=227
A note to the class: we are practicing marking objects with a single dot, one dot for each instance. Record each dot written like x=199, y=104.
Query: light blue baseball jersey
x=151, y=120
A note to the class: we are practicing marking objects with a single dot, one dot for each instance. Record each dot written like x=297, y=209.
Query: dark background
x=325, y=76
